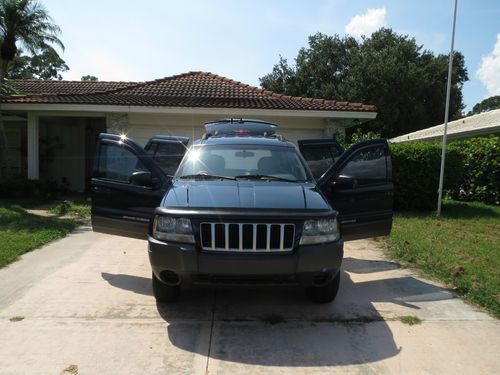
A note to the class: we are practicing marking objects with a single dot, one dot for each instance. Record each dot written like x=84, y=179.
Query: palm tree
x=28, y=23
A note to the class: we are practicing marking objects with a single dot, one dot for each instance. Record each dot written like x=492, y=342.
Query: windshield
x=243, y=162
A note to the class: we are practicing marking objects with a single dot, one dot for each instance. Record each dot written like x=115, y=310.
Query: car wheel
x=164, y=292
x=325, y=293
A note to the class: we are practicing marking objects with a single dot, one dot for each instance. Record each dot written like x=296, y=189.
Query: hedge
x=415, y=172
x=17, y=187
x=472, y=170
x=481, y=180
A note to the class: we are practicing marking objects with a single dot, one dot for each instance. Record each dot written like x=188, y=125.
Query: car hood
x=244, y=195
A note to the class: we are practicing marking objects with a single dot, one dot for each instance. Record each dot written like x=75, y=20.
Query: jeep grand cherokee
x=242, y=205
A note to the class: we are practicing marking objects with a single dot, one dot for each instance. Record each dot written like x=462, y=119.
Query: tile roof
x=193, y=89
x=39, y=87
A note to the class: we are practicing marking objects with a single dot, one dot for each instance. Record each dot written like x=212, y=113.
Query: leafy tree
x=45, y=65
x=90, y=78
x=405, y=82
x=28, y=23
x=493, y=102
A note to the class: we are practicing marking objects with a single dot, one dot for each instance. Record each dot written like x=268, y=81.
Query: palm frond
x=28, y=23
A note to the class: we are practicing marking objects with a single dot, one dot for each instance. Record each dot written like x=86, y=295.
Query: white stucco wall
x=141, y=127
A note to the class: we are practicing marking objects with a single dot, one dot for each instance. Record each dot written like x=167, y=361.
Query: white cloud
x=366, y=24
x=489, y=71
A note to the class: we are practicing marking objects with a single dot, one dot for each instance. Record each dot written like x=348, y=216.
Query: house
x=52, y=126
x=472, y=126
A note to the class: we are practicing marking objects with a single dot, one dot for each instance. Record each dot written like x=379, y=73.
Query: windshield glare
x=243, y=160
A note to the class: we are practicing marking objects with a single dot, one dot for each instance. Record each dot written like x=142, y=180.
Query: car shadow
x=280, y=327
x=363, y=266
x=136, y=284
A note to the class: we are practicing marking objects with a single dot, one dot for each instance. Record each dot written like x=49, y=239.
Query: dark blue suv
x=242, y=205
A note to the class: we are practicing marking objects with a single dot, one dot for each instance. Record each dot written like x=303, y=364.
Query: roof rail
x=239, y=127
x=279, y=137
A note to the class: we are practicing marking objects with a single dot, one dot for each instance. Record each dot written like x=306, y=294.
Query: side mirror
x=344, y=182
x=141, y=178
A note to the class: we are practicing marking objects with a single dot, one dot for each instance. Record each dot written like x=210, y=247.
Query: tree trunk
x=3, y=135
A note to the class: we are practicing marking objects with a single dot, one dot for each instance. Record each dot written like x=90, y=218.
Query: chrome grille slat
x=240, y=234
x=270, y=238
x=226, y=234
x=213, y=236
x=254, y=242
x=282, y=235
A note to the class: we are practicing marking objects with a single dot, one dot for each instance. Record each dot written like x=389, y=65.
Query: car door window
x=168, y=156
x=151, y=148
x=368, y=166
x=118, y=163
x=320, y=157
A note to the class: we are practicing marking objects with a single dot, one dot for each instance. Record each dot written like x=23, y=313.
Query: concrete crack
x=211, y=330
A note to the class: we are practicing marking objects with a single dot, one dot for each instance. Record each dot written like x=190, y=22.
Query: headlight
x=320, y=231
x=177, y=229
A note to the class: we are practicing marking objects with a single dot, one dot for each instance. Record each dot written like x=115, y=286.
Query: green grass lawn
x=462, y=248
x=21, y=231
x=78, y=208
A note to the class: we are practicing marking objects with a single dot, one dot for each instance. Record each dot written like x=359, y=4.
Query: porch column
x=33, y=150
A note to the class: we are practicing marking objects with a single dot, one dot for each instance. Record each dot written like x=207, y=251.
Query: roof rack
x=239, y=127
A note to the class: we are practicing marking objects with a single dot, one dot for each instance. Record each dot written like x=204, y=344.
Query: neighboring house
x=52, y=125
x=473, y=126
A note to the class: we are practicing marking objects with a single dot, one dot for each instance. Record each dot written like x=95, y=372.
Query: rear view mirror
x=244, y=154
x=345, y=182
x=141, y=178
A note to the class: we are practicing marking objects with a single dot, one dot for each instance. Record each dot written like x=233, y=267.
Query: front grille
x=247, y=237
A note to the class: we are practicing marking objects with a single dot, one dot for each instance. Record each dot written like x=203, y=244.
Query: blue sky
x=242, y=40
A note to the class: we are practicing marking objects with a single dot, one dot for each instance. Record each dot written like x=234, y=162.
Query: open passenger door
x=359, y=186
x=320, y=154
x=128, y=184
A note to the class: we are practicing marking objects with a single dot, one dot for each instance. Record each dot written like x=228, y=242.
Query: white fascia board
x=450, y=136
x=103, y=109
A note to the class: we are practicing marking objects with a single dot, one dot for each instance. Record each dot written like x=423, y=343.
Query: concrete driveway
x=84, y=305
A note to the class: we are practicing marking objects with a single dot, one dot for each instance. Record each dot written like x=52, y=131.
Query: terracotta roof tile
x=34, y=86
x=193, y=89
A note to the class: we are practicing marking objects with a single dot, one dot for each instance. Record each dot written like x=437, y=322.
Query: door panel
x=320, y=154
x=118, y=207
x=364, y=203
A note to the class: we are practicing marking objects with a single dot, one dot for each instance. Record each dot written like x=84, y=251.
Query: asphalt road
x=83, y=305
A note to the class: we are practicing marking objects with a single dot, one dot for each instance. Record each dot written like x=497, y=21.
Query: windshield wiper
x=264, y=177
x=206, y=177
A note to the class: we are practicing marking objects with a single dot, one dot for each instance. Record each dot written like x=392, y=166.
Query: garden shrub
x=23, y=188
x=481, y=181
x=415, y=173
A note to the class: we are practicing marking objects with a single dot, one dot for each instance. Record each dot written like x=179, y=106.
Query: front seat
x=215, y=164
x=269, y=166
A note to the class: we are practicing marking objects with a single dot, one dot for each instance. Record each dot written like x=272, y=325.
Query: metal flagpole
x=446, y=112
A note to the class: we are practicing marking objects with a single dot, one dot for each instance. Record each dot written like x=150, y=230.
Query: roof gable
x=193, y=89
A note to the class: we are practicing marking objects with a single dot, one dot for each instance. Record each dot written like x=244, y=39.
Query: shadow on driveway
x=348, y=331
x=136, y=284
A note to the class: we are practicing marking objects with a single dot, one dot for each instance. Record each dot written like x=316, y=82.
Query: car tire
x=325, y=293
x=165, y=293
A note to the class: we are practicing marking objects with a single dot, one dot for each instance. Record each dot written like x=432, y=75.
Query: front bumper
x=305, y=266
